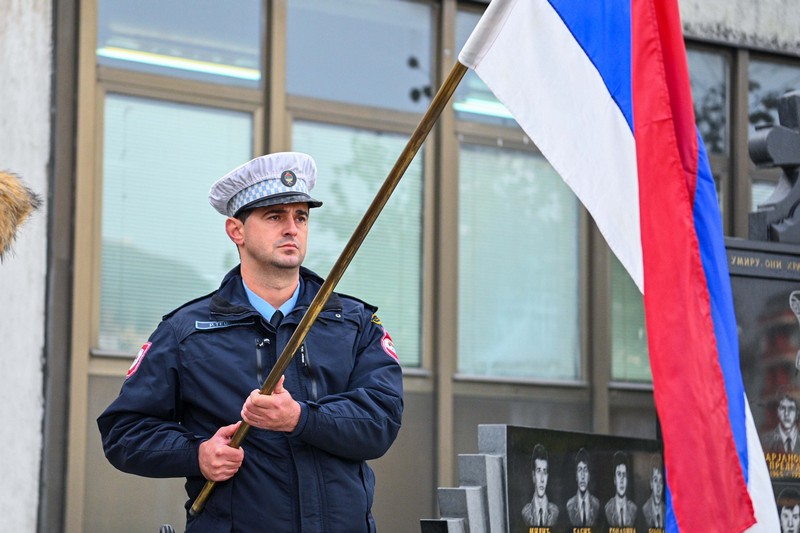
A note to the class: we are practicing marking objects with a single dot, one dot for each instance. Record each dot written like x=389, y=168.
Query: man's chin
x=289, y=263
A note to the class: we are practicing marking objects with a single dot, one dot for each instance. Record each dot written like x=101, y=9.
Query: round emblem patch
x=388, y=345
x=138, y=359
x=288, y=178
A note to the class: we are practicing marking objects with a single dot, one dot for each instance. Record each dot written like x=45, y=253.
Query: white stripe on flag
x=759, y=484
x=537, y=70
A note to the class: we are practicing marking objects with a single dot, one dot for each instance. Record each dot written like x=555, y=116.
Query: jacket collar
x=230, y=300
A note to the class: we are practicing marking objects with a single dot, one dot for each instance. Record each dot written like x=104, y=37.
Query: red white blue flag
x=602, y=88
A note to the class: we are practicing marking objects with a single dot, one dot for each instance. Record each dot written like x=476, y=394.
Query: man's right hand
x=218, y=461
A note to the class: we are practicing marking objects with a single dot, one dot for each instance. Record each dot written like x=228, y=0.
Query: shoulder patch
x=376, y=320
x=388, y=346
x=138, y=359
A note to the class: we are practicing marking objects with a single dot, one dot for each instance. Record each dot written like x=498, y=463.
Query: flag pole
x=413, y=145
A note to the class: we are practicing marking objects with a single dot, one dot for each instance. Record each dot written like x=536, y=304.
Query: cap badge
x=288, y=178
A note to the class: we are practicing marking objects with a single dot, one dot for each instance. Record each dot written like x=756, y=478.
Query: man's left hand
x=277, y=411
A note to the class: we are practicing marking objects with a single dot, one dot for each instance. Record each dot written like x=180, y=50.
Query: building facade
x=502, y=298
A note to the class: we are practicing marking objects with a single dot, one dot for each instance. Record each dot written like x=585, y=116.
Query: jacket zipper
x=260, y=343
x=305, y=361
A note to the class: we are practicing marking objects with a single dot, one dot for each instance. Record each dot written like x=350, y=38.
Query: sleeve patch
x=388, y=345
x=138, y=359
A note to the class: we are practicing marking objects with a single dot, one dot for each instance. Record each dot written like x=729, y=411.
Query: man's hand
x=277, y=411
x=218, y=461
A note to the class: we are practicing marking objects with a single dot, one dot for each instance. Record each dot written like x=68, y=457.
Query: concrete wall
x=25, y=64
x=763, y=24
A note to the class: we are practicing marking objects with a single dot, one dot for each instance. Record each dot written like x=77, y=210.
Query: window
x=473, y=100
x=709, y=81
x=519, y=272
x=162, y=243
x=352, y=164
x=769, y=80
x=205, y=40
x=361, y=52
x=629, y=354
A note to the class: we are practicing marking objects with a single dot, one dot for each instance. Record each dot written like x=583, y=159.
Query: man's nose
x=290, y=228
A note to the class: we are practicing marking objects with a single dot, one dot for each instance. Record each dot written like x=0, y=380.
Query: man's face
x=656, y=485
x=787, y=412
x=273, y=236
x=790, y=519
x=582, y=476
x=540, y=476
x=621, y=480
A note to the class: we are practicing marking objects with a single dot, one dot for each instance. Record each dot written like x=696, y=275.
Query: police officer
x=302, y=465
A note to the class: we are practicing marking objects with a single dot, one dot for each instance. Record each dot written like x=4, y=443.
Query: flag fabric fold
x=602, y=88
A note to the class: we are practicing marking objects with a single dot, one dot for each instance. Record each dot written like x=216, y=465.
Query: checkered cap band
x=263, y=189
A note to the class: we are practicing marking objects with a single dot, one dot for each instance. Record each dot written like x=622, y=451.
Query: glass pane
x=768, y=82
x=629, y=355
x=362, y=52
x=709, y=81
x=205, y=40
x=519, y=272
x=163, y=244
x=473, y=100
x=352, y=164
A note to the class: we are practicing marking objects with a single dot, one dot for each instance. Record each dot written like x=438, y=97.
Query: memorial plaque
x=765, y=278
x=559, y=481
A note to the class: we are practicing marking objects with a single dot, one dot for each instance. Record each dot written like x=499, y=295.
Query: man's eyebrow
x=280, y=209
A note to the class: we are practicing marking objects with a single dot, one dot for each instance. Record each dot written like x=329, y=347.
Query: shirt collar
x=265, y=309
x=541, y=503
x=792, y=433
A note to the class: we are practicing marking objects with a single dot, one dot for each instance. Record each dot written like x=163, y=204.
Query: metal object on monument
x=778, y=146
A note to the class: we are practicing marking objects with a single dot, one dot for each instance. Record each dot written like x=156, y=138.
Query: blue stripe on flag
x=708, y=226
x=608, y=47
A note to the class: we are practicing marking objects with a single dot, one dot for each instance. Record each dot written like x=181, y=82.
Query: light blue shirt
x=265, y=309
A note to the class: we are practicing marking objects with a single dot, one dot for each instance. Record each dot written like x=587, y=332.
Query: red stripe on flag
x=701, y=462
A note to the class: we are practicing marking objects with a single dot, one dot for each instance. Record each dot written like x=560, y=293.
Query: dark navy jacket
x=200, y=365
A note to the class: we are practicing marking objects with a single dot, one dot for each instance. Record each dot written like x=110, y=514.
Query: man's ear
x=235, y=230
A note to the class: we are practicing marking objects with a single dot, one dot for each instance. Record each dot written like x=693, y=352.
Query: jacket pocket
x=216, y=516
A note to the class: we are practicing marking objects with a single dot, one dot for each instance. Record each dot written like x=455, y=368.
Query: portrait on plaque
x=620, y=511
x=583, y=507
x=654, y=508
x=540, y=511
x=788, y=502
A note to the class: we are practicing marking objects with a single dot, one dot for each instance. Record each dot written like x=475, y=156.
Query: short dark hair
x=788, y=498
x=582, y=457
x=242, y=215
x=787, y=397
x=621, y=458
x=539, y=453
x=656, y=463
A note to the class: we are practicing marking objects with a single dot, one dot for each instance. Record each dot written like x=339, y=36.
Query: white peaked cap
x=272, y=179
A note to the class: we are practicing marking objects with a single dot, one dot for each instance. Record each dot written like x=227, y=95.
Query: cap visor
x=279, y=199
